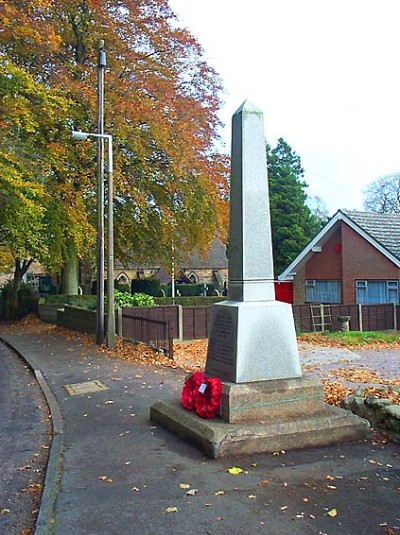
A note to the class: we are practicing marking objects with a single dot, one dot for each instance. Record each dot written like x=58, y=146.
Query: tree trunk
x=10, y=296
x=86, y=276
x=70, y=274
x=11, y=302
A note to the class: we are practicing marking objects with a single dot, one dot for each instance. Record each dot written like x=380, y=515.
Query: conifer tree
x=293, y=224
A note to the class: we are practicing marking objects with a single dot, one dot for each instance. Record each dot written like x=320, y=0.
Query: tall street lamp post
x=101, y=66
x=110, y=232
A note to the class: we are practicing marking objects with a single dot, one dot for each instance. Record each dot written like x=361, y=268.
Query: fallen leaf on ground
x=106, y=479
x=235, y=470
x=171, y=509
x=332, y=513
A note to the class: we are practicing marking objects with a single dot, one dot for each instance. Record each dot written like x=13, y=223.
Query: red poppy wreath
x=202, y=395
x=191, y=385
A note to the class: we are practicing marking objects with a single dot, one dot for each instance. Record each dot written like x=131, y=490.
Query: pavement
x=112, y=471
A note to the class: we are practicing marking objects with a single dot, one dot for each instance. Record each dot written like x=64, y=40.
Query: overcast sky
x=326, y=75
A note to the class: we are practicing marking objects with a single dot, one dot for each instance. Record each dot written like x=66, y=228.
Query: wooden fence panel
x=196, y=322
x=374, y=317
x=377, y=317
x=168, y=313
x=345, y=310
x=302, y=318
x=157, y=333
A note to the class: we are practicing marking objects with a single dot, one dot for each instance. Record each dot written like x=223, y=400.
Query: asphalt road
x=24, y=437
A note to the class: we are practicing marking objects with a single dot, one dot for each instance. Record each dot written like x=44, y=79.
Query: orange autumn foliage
x=161, y=106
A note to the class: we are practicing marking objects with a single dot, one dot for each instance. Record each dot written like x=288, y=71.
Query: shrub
x=27, y=300
x=146, y=286
x=122, y=299
x=15, y=306
x=84, y=301
x=193, y=290
x=122, y=287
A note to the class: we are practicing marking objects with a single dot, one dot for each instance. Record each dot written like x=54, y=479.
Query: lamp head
x=77, y=134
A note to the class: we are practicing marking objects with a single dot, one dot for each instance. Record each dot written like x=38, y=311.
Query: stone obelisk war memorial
x=267, y=405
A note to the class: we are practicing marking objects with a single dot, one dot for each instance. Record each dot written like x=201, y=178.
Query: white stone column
x=252, y=336
x=250, y=262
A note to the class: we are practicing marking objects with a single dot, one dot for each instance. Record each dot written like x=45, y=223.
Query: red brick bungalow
x=355, y=258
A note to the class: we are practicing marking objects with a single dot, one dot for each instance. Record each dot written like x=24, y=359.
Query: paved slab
x=121, y=474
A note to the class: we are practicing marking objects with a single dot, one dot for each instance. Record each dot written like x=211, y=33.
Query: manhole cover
x=85, y=388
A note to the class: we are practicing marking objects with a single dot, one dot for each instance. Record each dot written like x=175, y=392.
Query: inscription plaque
x=221, y=357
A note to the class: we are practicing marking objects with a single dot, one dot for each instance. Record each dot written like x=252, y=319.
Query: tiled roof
x=384, y=228
x=381, y=230
x=216, y=259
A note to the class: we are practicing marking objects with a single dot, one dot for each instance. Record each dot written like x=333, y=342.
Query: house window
x=377, y=292
x=323, y=291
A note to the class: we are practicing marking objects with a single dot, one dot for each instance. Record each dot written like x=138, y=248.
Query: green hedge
x=146, y=286
x=188, y=290
x=192, y=290
x=189, y=301
x=84, y=301
x=89, y=301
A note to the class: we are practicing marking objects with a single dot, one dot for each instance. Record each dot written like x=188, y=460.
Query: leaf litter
x=191, y=356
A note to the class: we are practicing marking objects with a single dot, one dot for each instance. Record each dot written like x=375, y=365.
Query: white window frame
x=390, y=286
x=313, y=293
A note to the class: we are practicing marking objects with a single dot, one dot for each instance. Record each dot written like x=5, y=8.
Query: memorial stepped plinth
x=262, y=417
x=266, y=405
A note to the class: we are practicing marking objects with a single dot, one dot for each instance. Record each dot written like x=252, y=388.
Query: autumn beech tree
x=31, y=116
x=161, y=105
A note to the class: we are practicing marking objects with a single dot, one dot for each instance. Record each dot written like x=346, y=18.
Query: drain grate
x=85, y=388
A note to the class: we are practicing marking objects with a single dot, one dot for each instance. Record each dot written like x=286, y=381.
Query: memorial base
x=252, y=341
x=263, y=417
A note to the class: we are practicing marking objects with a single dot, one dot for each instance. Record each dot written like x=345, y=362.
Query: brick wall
x=299, y=289
x=326, y=265
x=361, y=261
x=348, y=257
